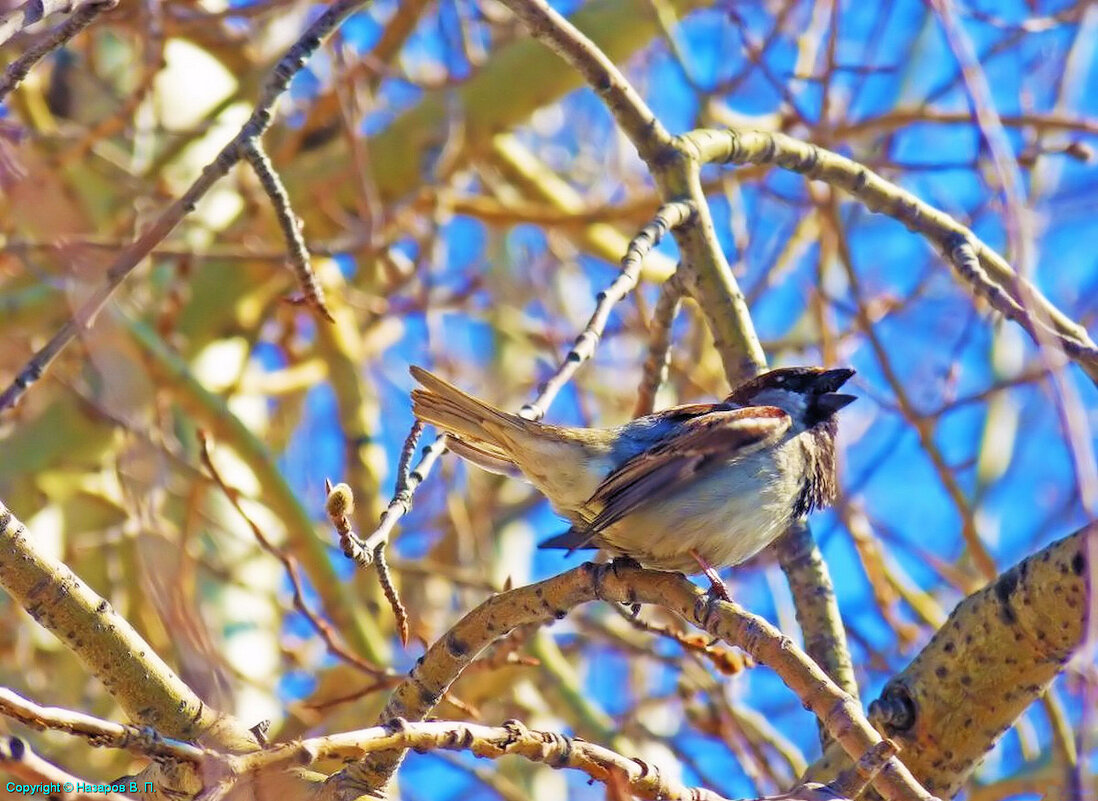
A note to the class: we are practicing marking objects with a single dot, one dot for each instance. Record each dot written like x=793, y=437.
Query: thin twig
x=290, y=223
x=402, y=501
x=725, y=660
x=659, y=345
x=83, y=17
x=668, y=217
x=340, y=505
x=385, y=578
x=1019, y=228
x=320, y=626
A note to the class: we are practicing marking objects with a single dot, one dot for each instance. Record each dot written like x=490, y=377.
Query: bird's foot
x=717, y=587
x=706, y=603
x=717, y=591
x=620, y=562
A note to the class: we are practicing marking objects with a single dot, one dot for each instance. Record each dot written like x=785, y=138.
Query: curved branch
x=557, y=750
x=552, y=599
x=630, y=111
x=996, y=654
x=108, y=646
x=988, y=274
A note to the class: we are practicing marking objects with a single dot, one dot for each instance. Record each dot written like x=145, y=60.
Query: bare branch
x=879, y=195
x=553, y=598
x=252, y=151
x=18, y=69
x=631, y=112
x=492, y=742
x=104, y=733
x=108, y=646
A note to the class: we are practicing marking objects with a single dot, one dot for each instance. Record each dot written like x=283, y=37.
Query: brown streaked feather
x=485, y=456
x=707, y=439
x=457, y=412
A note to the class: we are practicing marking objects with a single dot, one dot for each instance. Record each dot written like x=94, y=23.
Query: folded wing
x=702, y=442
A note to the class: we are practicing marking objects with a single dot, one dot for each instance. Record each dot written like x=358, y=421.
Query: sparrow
x=692, y=488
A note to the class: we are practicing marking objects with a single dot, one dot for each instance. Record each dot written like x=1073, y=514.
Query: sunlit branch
x=659, y=345
x=252, y=151
x=340, y=505
x=105, y=642
x=512, y=738
x=879, y=195
x=103, y=733
x=552, y=599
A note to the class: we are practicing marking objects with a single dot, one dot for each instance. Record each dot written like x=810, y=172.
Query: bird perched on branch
x=694, y=487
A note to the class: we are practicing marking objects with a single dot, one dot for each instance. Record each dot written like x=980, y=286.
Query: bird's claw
x=619, y=562
x=707, y=602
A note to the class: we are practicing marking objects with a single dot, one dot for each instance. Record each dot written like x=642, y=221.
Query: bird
x=692, y=488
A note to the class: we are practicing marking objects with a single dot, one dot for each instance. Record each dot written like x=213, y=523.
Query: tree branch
x=997, y=653
x=108, y=646
x=552, y=599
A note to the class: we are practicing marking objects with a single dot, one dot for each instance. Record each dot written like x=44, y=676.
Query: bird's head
x=806, y=393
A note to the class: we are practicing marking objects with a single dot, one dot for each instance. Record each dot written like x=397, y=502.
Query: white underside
x=725, y=517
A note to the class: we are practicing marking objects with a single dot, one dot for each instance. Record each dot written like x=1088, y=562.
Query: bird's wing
x=701, y=442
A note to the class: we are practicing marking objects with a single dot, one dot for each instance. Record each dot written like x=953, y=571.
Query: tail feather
x=564, y=463
x=456, y=412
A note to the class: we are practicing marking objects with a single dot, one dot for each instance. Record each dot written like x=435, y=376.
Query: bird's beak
x=826, y=400
x=831, y=380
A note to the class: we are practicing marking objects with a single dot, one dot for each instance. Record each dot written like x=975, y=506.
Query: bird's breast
x=725, y=516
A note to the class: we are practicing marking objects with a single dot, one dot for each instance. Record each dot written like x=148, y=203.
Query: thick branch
x=997, y=653
x=552, y=599
x=817, y=608
x=108, y=646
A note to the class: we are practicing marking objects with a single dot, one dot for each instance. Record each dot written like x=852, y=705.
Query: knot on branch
x=560, y=747
x=516, y=730
x=896, y=711
x=645, y=768
x=462, y=739
x=396, y=725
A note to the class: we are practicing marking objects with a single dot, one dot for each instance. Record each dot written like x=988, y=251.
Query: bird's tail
x=479, y=425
